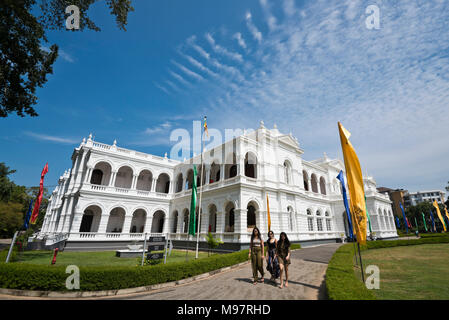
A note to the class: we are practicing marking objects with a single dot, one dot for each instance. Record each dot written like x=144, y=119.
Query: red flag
x=37, y=204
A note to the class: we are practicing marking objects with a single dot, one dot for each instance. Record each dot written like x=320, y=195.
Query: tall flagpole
x=201, y=193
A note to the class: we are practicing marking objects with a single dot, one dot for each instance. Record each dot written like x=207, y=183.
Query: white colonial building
x=112, y=196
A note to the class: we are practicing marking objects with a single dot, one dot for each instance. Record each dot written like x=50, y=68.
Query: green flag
x=192, y=220
x=424, y=220
x=416, y=223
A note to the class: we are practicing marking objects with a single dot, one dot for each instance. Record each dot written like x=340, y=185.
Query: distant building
x=413, y=198
x=409, y=199
x=396, y=196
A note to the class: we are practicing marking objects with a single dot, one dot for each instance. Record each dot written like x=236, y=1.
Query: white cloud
x=63, y=54
x=223, y=51
x=257, y=35
x=188, y=71
x=45, y=137
x=161, y=128
x=240, y=40
x=389, y=87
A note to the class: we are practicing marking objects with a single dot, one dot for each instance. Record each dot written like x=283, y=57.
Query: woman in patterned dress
x=283, y=256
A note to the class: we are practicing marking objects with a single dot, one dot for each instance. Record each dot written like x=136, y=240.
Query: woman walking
x=256, y=253
x=272, y=262
x=283, y=255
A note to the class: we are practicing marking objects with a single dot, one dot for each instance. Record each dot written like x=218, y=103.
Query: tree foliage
x=24, y=62
x=14, y=204
x=6, y=185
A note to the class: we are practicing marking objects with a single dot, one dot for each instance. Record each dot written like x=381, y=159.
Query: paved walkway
x=306, y=281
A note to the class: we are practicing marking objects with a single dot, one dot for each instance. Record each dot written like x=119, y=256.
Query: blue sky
x=303, y=65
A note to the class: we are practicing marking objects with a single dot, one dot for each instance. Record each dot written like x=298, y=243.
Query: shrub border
x=341, y=281
x=108, y=293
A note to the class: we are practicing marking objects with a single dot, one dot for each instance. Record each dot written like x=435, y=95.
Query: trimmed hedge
x=341, y=281
x=52, y=278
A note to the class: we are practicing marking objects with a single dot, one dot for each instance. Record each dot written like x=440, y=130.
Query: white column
x=112, y=180
x=148, y=224
x=127, y=224
x=180, y=221
x=220, y=223
x=80, y=170
x=240, y=216
x=153, y=185
x=89, y=174
x=222, y=172
x=103, y=223
x=134, y=182
x=241, y=166
x=77, y=218
x=208, y=176
x=172, y=188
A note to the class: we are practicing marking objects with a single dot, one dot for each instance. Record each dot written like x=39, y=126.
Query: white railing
x=131, y=192
x=89, y=236
x=55, y=238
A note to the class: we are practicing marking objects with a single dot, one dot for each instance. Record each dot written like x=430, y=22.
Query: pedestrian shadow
x=276, y=284
x=316, y=261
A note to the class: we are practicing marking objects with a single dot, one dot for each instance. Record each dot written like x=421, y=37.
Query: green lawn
x=101, y=258
x=411, y=272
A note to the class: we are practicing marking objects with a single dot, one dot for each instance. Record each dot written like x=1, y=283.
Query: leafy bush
x=341, y=281
x=52, y=278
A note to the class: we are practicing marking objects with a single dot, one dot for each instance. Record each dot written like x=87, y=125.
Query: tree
x=212, y=242
x=6, y=185
x=14, y=204
x=11, y=218
x=24, y=62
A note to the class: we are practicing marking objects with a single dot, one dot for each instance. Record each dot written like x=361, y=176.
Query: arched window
x=213, y=218
x=101, y=174
x=163, y=183
x=250, y=165
x=97, y=176
x=306, y=179
x=229, y=218
x=145, y=180
x=189, y=179
x=251, y=216
x=116, y=220
x=175, y=222
x=124, y=177
x=138, y=221
x=328, y=221
x=323, y=185
x=287, y=172
x=309, y=220
x=214, y=173
x=319, y=221
x=291, y=218
x=91, y=219
x=179, y=182
x=157, y=225
x=231, y=166
x=186, y=221
x=314, y=183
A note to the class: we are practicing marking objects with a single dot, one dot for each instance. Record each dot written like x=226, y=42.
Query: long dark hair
x=258, y=235
x=286, y=242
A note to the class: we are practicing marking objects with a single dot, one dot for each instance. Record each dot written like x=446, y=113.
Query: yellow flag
x=268, y=212
x=435, y=204
x=447, y=214
x=355, y=185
